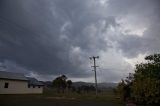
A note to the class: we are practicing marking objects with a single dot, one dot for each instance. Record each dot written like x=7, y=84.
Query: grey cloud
x=145, y=12
x=31, y=34
x=57, y=36
x=133, y=45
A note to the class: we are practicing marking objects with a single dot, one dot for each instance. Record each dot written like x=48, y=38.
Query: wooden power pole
x=94, y=66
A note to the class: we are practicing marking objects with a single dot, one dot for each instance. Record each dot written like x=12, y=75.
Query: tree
x=144, y=84
x=122, y=90
x=60, y=83
x=69, y=84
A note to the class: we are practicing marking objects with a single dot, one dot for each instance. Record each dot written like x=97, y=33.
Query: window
x=33, y=86
x=6, y=85
x=39, y=86
x=29, y=86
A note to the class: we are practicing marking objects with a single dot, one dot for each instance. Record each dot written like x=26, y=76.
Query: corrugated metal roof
x=33, y=81
x=13, y=76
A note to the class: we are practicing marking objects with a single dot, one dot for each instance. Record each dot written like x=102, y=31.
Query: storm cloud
x=47, y=38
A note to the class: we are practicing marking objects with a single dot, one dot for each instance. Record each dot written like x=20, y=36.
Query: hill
x=100, y=85
x=80, y=83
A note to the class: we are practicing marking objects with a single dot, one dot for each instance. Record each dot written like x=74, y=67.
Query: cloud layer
x=53, y=37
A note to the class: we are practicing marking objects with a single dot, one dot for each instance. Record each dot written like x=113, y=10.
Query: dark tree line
x=144, y=85
x=85, y=89
x=62, y=84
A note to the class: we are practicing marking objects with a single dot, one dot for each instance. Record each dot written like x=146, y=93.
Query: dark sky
x=47, y=38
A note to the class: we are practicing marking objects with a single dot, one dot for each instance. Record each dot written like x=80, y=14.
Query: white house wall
x=18, y=87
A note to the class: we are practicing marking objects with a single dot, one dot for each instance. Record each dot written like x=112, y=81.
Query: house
x=16, y=83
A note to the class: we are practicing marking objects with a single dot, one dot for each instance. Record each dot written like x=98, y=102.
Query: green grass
x=106, y=95
x=50, y=97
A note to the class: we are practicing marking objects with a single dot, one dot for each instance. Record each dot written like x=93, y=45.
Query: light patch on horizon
x=90, y=79
x=111, y=64
x=136, y=60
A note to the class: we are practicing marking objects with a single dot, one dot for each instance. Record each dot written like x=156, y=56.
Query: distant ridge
x=80, y=83
x=100, y=85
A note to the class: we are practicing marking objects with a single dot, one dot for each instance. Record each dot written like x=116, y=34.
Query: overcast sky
x=47, y=38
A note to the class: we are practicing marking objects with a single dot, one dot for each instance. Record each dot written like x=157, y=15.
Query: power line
x=94, y=66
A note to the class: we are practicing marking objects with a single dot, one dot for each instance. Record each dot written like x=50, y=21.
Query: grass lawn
x=52, y=98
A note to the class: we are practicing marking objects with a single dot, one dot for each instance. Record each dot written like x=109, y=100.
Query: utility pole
x=94, y=66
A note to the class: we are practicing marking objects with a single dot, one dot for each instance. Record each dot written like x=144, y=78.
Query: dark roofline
x=12, y=76
x=34, y=81
x=13, y=79
x=19, y=77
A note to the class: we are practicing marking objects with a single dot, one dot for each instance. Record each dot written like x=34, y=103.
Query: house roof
x=12, y=76
x=33, y=81
x=19, y=76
